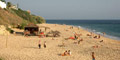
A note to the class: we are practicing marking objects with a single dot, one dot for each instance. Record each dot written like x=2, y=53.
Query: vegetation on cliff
x=11, y=16
x=3, y=0
x=28, y=17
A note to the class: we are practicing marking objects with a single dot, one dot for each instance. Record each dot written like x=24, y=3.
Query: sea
x=110, y=27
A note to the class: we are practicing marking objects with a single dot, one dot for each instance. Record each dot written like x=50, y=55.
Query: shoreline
x=98, y=32
x=95, y=32
x=103, y=37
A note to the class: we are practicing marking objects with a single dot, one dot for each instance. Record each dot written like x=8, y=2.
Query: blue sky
x=72, y=9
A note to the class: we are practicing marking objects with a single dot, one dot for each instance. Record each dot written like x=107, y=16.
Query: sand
x=26, y=48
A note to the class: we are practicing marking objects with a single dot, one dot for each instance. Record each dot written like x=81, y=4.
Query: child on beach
x=44, y=44
x=93, y=57
x=69, y=52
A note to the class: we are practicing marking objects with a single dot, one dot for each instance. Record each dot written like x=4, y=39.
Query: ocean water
x=110, y=27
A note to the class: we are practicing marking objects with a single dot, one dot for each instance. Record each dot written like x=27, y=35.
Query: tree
x=9, y=4
x=3, y=0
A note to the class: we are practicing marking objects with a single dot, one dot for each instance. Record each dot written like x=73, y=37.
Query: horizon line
x=82, y=19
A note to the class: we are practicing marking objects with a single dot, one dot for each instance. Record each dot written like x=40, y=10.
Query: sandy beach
x=26, y=48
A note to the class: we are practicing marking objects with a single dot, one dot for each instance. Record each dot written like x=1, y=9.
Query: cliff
x=14, y=17
x=8, y=18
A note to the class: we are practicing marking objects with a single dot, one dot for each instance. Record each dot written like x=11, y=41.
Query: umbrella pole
x=6, y=40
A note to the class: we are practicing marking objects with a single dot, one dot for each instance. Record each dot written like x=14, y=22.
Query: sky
x=72, y=9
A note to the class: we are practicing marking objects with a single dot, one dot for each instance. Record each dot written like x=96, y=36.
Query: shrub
x=3, y=0
x=10, y=30
x=27, y=16
x=9, y=4
x=23, y=25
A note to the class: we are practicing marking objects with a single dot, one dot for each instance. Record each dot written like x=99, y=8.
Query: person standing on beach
x=75, y=36
x=44, y=44
x=93, y=57
x=69, y=52
x=99, y=36
x=103, y=33
x=79, y=42
x=39, y=45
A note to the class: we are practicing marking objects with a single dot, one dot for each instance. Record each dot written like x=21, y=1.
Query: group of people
x=75, y=37
x=39, y=45
x=66, y=53
x=97, y=36
x=92, y=35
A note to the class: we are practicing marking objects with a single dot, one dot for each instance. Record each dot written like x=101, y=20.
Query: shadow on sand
x=19, y=33
x=32, y=47
x=59, y=54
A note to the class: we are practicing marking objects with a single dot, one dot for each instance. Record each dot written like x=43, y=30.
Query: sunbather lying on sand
x=71, y=38
x=95, y=37
x=89, y=35
x=66, y=53
x=80, y=41
x=96, y=46
x=101, y=41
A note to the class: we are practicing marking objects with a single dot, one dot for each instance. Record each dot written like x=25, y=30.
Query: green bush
x=27, y=16
x=10, y=30
x=9, y=4
x=3, y=0
x=23, y=25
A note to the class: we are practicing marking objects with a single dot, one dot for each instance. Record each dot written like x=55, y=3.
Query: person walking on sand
x=39, y=45
x=44, y=44
x=93, y=57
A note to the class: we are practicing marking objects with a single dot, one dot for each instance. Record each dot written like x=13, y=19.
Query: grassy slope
x=7, y=17
x=13, y=17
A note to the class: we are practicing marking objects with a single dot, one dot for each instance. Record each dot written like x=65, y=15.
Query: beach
x=26, y=48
